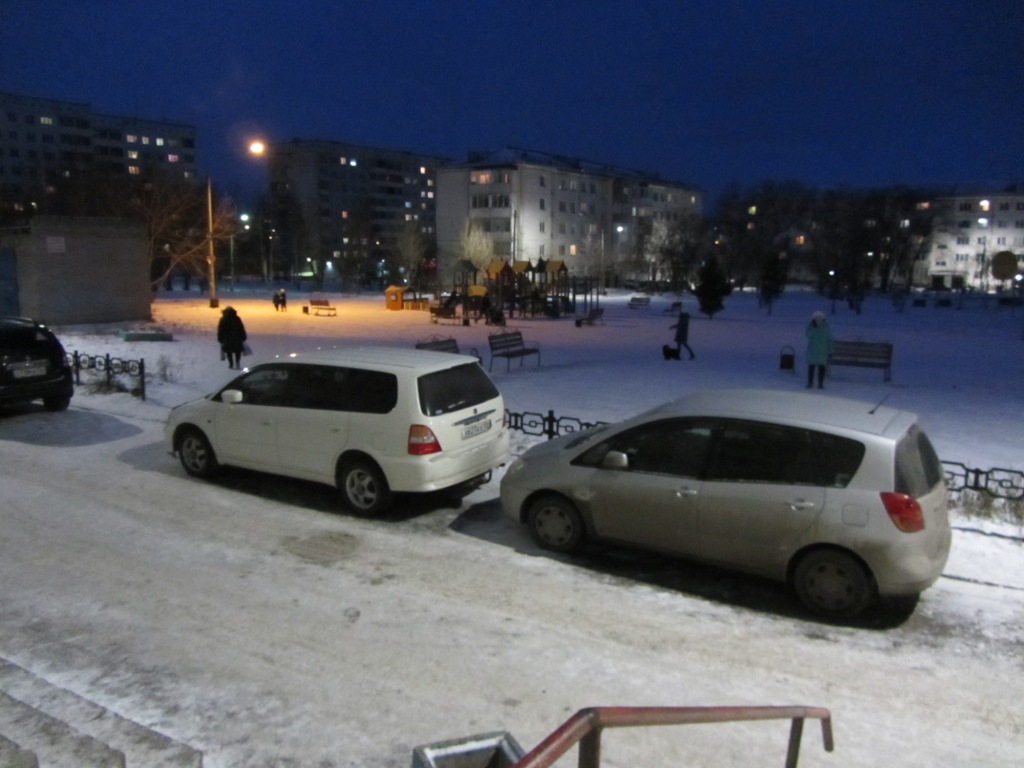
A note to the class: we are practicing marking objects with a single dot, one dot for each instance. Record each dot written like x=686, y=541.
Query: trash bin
x=787, y=359
x=488, y=750
x=394, y=297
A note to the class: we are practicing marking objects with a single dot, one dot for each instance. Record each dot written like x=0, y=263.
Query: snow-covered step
x=136, y=744
x=13, y=756
x=55, y=743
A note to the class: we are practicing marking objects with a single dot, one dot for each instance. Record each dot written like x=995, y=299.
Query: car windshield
x=454, y=389
x=918, y=468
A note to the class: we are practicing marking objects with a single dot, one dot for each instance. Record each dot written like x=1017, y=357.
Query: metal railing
x=109, y=367
x=998, y=483
x=585, y=728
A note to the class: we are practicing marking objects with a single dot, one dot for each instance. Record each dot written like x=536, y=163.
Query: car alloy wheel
x=196, y=454
x=364, y=488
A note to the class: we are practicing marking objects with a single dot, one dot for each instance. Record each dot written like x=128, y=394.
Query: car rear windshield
x=455, y=388
x=24, y=338
x=918, y=468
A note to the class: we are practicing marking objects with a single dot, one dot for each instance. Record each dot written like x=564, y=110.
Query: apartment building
x=535, y=205
x=45, y=144
x=342, y=210
x=968, y=231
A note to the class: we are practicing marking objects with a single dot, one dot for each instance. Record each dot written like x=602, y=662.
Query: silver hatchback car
x=845, y=500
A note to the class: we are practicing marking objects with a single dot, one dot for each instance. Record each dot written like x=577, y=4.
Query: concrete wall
x=74, y=270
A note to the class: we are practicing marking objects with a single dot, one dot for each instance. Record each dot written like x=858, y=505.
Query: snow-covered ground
x=246, y=618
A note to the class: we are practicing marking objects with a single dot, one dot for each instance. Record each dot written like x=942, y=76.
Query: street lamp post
x=211, y=258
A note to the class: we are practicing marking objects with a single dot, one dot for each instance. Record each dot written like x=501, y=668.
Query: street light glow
x=257, y=147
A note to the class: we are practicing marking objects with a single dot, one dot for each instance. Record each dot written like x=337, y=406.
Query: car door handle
x=799, y=504
x=685, y=490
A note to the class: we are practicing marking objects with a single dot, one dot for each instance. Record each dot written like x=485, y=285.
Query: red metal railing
x=585, y=728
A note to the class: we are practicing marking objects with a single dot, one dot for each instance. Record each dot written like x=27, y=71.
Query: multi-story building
x=594, y=218
x=348, y=211
x=47, y=145
x=968, y=231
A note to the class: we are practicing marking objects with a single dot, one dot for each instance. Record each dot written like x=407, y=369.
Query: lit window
x=159, y=142
x=46, y=120
x=145, y=139
x=133, y=170
x=344, y=214
x=984, y=205
x=353, y=162
x=423, y=169
x=343, y=160
x=133, y=154
x=752, y=210
x=172, y=158
x=131, y=138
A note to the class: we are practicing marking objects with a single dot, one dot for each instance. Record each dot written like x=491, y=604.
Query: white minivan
x=371, y=421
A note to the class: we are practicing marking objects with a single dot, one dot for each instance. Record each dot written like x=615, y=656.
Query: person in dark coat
x=819, y=347
x=231, y=335
x=682, y=328
x=282, y=299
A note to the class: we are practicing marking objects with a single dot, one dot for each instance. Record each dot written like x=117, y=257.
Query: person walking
x=282, y=299
x=819, y=347
x=682, y=327
x=231, y=335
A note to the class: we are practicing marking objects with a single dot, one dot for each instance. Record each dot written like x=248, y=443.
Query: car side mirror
x=615, y=460
x=231, y=396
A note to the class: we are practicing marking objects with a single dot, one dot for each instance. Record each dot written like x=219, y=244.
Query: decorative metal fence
x=998, y=483
x=109, y=367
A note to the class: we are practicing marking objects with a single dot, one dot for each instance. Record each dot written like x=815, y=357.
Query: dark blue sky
x=828, y=92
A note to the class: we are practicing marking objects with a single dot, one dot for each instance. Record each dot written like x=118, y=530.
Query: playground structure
x=506, y=290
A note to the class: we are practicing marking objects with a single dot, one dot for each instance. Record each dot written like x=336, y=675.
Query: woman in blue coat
x=819, y=347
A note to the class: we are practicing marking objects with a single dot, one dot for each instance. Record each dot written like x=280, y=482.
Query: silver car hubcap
x=554, y=526
x=361, y=489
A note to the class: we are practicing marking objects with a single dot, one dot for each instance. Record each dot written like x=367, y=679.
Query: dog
x=669, y=353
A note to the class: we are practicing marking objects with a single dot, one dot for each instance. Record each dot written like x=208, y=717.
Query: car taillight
x=904, y=511
x=422, y=441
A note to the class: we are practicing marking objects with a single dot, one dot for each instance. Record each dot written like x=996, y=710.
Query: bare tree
x=476, y=246
x=410, y=248
x=177, y=223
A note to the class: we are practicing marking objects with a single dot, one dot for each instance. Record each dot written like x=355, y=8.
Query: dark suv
x=33, y=365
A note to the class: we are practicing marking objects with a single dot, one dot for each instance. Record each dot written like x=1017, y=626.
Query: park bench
x=319, y=307
x=595, y=315
x=443, y=313
x=640, y=302
x=863, y=354
x=444, y=344
x=510, y=345
x=674, y=308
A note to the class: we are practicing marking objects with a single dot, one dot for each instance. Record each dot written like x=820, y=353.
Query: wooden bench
x=444, y=344
x=319, y=307
x=863, y=354
x=595, y=315
x=640, y=302
x=510, y=345
x=443, y=313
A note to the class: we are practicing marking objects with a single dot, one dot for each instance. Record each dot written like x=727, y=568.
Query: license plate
x=29, y=370
x=472, y=430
